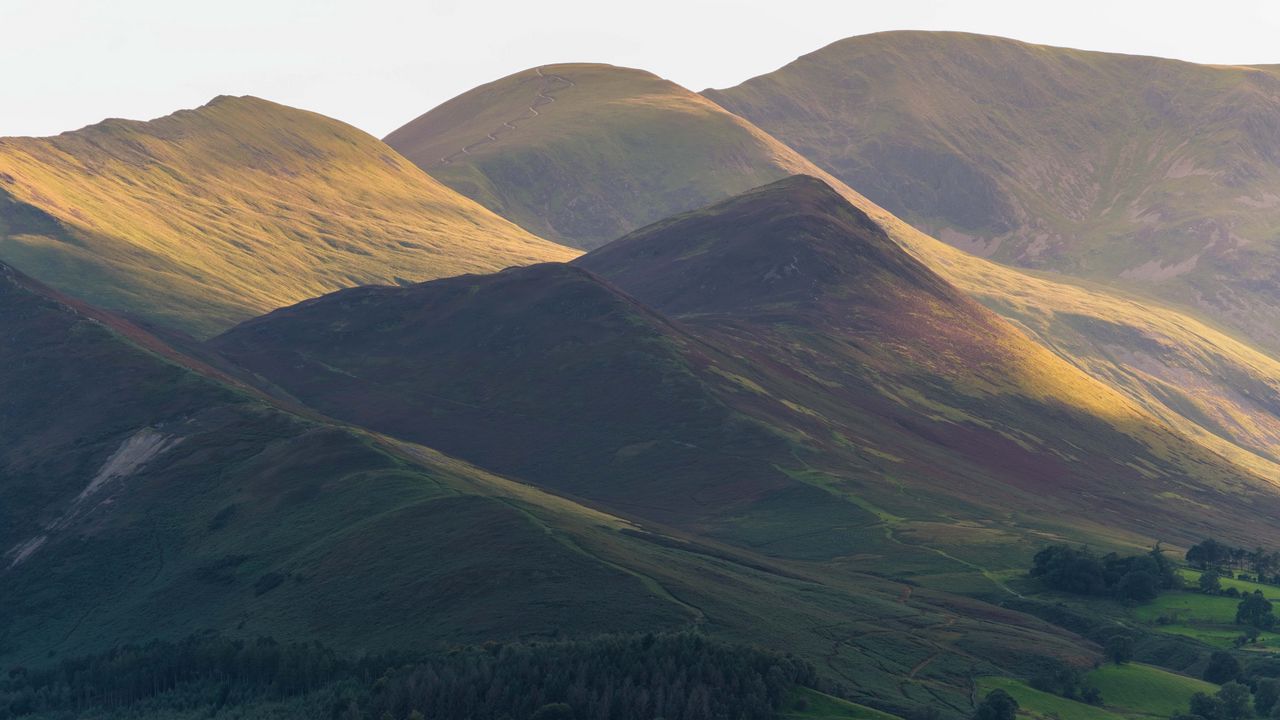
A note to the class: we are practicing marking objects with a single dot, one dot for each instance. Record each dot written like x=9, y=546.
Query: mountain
x=1140, y=172
x=542, y=373
x=147, y=495
x=143, y=495
x=582, y=153
x=210, y=216
x=786, y=364
x=1210, y=386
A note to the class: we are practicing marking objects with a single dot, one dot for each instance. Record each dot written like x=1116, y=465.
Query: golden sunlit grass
x=210, y=216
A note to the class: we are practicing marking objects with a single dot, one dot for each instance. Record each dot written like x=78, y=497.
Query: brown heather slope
x=1145, y=173
x=211, y=216
x=619, y=138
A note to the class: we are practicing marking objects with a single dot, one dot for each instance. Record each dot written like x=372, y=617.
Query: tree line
x=677, y=676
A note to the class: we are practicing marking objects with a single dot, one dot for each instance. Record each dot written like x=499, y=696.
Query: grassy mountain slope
x=541, y=372
x=210, y=216
x=1141, y=172
x=139, y=498
x=1194, y=377
x=609, y=152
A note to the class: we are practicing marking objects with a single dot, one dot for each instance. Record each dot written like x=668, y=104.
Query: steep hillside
x=1142, y=172
x=211, y=216
x=1216, y=389
x=139, y=499
x=543, y=373
x=583, y=153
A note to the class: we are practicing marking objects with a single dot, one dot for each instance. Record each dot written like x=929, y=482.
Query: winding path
x=544, y=97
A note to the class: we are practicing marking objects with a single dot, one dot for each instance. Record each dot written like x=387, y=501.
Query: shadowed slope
x=541, y=372
x=141, y=499
x=1139, y=171
x=210, y=216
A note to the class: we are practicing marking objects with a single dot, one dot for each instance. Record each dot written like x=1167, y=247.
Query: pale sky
x=379, y=63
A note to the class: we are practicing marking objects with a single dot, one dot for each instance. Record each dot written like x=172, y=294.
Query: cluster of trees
x=1131, y=578
x=1222, y=558
x=1068, y=682
x=682, y=676
x=997, y=705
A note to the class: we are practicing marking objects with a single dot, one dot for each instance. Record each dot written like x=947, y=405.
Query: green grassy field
x=1140, y=689
x=1038, y=704
x=1132, y=690
x=1193, y=576
x=1208, y=618
x=808, y=704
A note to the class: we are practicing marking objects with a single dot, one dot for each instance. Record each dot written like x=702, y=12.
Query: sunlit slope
x=1141, y=172
x=209, y=216
x=1211, y=387
x=608, y=150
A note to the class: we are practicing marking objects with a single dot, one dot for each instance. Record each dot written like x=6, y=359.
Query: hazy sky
x=379, y=63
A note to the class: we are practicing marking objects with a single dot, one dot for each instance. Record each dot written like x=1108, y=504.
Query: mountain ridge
x=287, y=203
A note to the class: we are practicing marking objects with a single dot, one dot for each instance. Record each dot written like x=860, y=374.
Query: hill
x=1140, y=172
x=582, y=153
x=141, y=497
x=1207, y=384
x=210, y=216
x=787, y=363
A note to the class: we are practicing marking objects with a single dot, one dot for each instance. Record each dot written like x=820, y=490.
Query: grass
x=1042, y=705
x=210, y=216
x=1132, y=690
x=1192, y=577
x=1208, y=618
x=1191, y=607
x=1138, y=689
x=807, y=704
